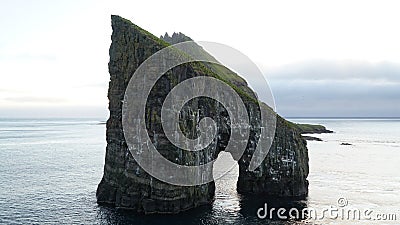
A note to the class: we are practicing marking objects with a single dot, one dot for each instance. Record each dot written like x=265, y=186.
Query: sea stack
x=283, y=173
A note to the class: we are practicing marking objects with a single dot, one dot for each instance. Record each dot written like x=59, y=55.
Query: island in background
x=311, y=129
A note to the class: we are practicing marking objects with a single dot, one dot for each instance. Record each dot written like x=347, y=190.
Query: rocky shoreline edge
x=312, y=129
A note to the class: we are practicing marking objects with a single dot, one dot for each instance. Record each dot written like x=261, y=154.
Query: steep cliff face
x=125, y=184
x=285, y=169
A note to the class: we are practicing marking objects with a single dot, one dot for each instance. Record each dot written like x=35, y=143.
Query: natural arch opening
x=227, y=199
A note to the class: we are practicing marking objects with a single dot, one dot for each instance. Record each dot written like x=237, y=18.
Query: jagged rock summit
x=175, y=38
x=126, y=185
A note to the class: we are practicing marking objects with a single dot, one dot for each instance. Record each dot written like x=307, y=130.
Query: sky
x=321, y=58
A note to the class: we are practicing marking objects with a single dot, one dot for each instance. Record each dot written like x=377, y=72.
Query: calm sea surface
x=50, y=169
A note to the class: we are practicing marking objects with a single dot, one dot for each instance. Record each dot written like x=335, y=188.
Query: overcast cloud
x=321, y=58
x=337, y=88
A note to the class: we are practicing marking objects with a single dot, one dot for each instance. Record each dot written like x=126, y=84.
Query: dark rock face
x=311, y=138
x=126, y=185
x=284, y=171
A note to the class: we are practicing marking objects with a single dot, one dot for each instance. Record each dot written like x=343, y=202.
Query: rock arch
x=124, y=184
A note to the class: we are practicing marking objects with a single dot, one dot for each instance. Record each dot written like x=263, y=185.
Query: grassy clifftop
x=311, y=128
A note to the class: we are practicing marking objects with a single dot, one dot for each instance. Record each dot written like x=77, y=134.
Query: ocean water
x=366, y=173
x=50, y=169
